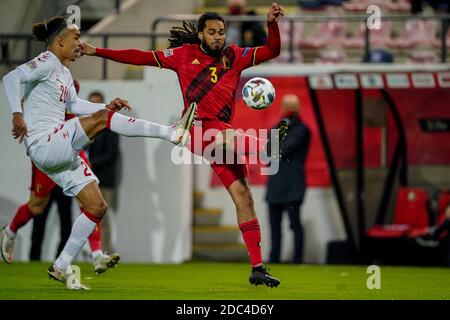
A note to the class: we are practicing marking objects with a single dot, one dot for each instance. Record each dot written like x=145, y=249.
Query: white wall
x=153, y=221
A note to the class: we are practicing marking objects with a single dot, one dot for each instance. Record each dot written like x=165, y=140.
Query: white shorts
x=56, y=153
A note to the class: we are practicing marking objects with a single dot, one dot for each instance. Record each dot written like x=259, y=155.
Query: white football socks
x=132, y=127
x=81, y=230
x=96, y=254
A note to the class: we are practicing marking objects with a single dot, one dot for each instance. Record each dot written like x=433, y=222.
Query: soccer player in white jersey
x=54, y=144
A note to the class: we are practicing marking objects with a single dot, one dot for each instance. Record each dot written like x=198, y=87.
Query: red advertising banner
x=416, y=95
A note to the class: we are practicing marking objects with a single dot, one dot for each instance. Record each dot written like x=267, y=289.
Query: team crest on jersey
x=168, y=52
x=31, y=65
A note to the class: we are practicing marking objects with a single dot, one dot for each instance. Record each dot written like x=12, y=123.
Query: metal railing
x=7, y=59
x=153, y=35
x=115, y=4
x=5, y=38
x=291, y=19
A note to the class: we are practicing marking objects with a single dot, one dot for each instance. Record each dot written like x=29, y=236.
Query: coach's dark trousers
x=275, y=215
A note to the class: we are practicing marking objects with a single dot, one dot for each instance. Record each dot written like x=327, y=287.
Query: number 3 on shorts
x=213, y=74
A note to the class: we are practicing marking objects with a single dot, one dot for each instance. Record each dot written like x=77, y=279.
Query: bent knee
x=225, y=139
x=37, y=206
x=102, y=113
x=36, y=210
x=100, y=116
x=243, y=191
x=98, y=209
x=244, y=199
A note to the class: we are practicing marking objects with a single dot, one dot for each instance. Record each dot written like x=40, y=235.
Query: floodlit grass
x=225, y=281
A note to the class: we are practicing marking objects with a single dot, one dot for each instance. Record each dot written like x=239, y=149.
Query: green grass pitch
x=225, y=281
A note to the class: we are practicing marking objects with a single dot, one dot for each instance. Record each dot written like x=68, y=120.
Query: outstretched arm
x=272, y=48
x=12, y=83
x=129, y=56
x=83, y=107
x=79, y=106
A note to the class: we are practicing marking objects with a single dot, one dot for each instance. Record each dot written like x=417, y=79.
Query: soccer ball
x=258, y=93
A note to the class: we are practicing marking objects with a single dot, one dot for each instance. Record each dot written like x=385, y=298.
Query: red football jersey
x=211, y=82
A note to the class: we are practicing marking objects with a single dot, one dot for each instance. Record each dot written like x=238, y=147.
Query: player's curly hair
x=189, y=32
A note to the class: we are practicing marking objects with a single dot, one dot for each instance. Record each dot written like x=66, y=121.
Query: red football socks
x=91, y=216
x=95, y=239
x=21, y=218
x=251, y=232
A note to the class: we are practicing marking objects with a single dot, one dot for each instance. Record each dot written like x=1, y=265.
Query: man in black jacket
x=286, y=189
x=104, y=155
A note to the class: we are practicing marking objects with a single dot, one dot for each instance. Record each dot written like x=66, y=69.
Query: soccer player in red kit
x=208, y=72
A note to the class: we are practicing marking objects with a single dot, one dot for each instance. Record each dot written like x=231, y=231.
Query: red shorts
x=228, y=173
x=41, y=184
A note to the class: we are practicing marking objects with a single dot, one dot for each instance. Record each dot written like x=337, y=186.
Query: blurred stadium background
x=377, y=103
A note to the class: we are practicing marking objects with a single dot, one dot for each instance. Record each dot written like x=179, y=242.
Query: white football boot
x=6, y=245
x=104, y=261
x=69, y=278
x=184, y=125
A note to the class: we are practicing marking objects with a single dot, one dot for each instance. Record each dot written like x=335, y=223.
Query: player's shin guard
x=251, y=232
x=21, y=218
x=132, y=127
x=81, y=229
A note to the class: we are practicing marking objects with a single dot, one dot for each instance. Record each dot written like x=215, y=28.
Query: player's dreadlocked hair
x=189, y=32
x=181, y=35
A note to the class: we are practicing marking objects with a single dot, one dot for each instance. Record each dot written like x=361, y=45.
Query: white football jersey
x=48, y=91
